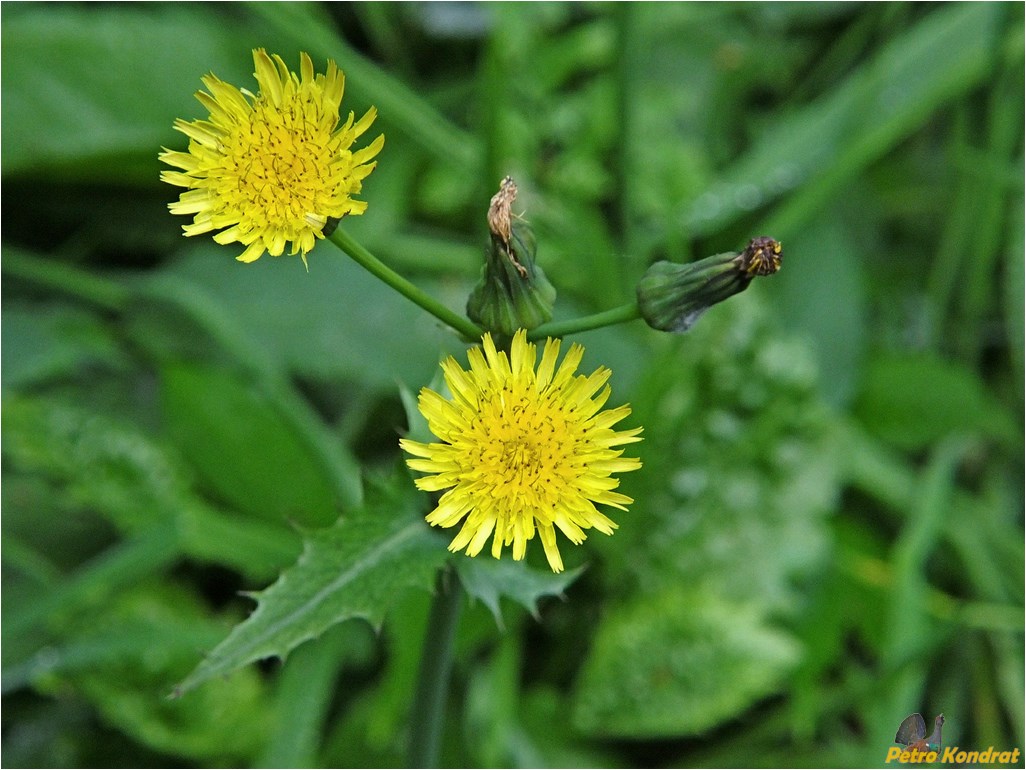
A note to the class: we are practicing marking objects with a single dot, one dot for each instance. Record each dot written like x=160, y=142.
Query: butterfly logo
x=912, y=733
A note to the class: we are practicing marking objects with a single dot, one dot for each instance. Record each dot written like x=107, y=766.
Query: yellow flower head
x=522, y=450
x=272, y=167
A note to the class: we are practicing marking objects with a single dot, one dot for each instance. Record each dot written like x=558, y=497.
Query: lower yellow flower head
x=273, y=167
x=522, y=450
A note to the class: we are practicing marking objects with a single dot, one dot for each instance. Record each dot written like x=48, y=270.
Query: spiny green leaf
x=490, y=579
x=353, y=569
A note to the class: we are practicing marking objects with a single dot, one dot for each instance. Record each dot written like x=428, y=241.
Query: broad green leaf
x=255, y=548
x=89, y=88
x=176, y=320
x=489, y=580
x=353, y=569
x=246, y=447
x=336, y=322
x=911, y=401
x=676, y=664
x=821, y=293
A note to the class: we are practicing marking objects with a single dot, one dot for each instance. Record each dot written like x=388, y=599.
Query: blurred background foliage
x=828, y=533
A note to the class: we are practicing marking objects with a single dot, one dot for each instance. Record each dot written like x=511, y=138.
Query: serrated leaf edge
x=210, y=666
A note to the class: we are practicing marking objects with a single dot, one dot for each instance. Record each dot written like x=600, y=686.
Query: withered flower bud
x=513, y=292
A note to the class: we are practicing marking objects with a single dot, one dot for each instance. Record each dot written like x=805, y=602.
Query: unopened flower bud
x=513, y=292
x=673, y=297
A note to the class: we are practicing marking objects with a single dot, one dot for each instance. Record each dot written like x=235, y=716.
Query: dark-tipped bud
x=513, y=292
x=673, y=297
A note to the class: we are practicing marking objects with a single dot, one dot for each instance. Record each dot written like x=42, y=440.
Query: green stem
x=435, y=667
x=379, y=269
x=617, y=315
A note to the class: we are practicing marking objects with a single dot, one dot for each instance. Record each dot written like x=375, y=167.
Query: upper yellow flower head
x=272, y=167
x=522, y=449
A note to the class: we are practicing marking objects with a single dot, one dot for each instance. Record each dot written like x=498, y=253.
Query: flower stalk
x=418, y=296
x=611, y=317
x=435, y=668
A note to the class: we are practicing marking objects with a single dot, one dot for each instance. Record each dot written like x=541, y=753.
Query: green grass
x=828, y=527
